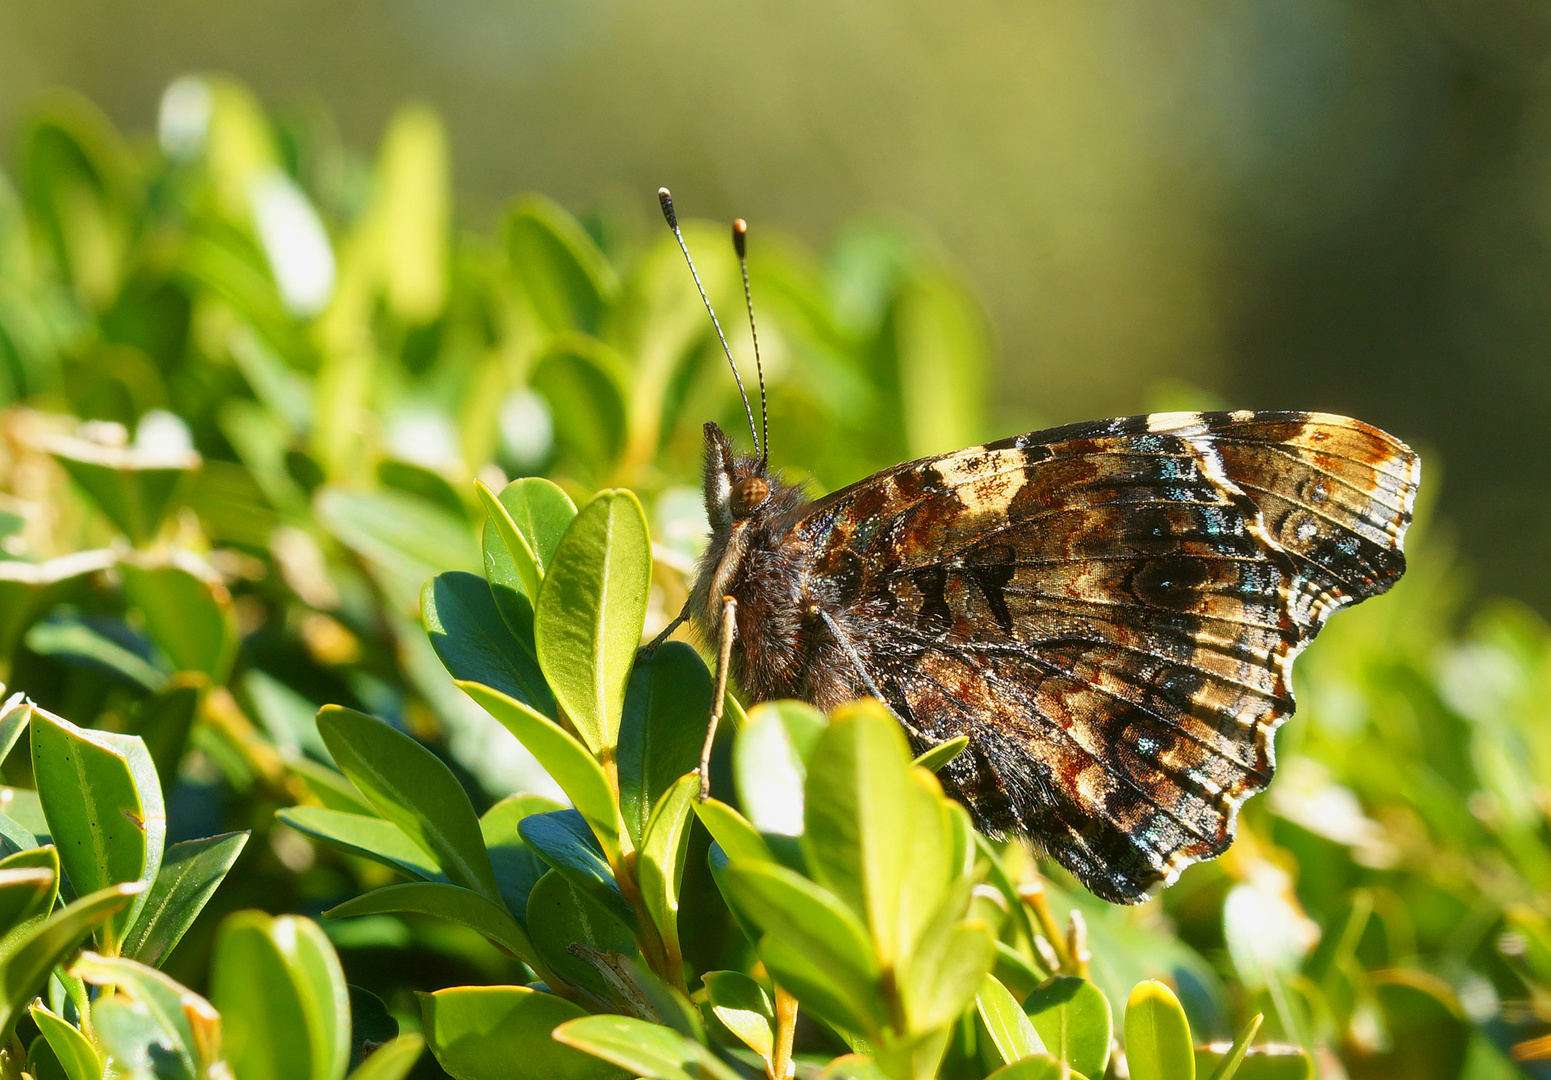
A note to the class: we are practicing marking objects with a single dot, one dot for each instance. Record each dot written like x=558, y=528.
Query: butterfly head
x=736, y=488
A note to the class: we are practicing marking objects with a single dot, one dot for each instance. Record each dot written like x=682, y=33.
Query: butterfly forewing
x=1108, y=610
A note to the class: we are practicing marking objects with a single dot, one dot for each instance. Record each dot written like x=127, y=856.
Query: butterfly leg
x=719, y=694
x=667, y=631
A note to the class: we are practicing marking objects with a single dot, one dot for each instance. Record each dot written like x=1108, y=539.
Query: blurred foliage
x=248, y=384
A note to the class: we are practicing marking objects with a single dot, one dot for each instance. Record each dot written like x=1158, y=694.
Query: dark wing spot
x=1169, y=581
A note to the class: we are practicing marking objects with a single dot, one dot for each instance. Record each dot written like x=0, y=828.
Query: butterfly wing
x=1110, y=612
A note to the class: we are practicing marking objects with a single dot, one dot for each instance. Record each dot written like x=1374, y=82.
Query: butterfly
x=1109, y=611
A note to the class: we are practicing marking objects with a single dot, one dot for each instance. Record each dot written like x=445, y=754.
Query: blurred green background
x=1322, y=204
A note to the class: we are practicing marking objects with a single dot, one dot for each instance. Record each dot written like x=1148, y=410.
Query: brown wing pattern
x=1110, y=611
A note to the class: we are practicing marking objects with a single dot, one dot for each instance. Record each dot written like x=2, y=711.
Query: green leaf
x=541, y=512
x=444, y=902
x=563, y=839
x=667, y=706
x=938, y=756
x=104, y=808
x=404, y=538
x=157, y=997
x=580, y=378
x=567, y=280
x=644, y=1049
x=590, y=611
x=23, y=976
x=75, y=1051
x=561, y=917
x=858, y=840
x=949, y=964
x=282, y=998
x=660, y=860
x=479, y=1032
x=134, y=489
x=371, y=837
x=769, y=763
x=1268, y=1062
x=411, y=787
x=1037, y=1067
x=1073, y=1020
x=732, y=831
x=811, y=920
x=475, y=644
x=28, y=886
x=15, y=837
x=563, y=757
x=1012, y=1036
x=136, y=1042
x=516, y=868
x=73, y=641
x=744, y=1008
x=188, y=877
x=14, y=714
x=853, y=1067
x=411, y=213
x=190, y=620
x=1157, y=1035
x=392, y=1060
x=1228, y=1062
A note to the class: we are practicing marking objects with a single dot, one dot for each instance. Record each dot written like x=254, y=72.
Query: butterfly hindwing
x=1110, y=611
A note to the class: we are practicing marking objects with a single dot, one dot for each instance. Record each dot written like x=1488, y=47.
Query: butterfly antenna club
x=740, y=244
x=672, y=218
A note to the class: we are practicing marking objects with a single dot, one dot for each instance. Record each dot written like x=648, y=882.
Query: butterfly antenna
x=740, y=232
x=672, y=219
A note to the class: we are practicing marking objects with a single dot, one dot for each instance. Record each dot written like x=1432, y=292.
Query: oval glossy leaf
x=857, y=797
x=404, y=539
x=136, y=1042
x=371, y=837
x=1073, y=1020
x=190, y=620
x=23, y=976
x=444, y=902
x=27, y=891
x=644, y=1049
x=282, y=997
x=392, y=1060
x=667, y=705
x=474, y=642
x=744, y=1009
x=561, y=916
x=660, y=860
x=563, y=757
x=75, y=1051
x=133, y=490
x=1012, y=1036
x=479, y=1032
x=811, y=920
x=944, y=752
x=1157, y=1035
x=1037, y=1067
x=411, y=787
x=563, y=840
x=525, y=525
x=568, y=281
x=1260, y=1063
x=732, y=831
x=103, y=803
x=160, y=999
x=188, y=877
x=769, y=763
x=517, y=869
x=590, y=612
x=14, y=714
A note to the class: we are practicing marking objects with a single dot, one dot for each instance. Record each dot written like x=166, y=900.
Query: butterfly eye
x=748, y=495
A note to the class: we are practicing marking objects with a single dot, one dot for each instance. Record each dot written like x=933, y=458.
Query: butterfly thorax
x=780, y=646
